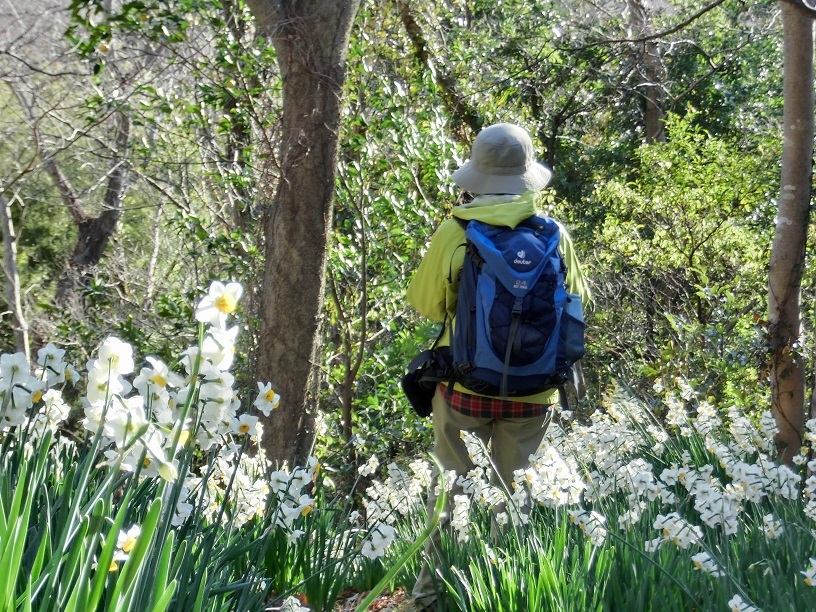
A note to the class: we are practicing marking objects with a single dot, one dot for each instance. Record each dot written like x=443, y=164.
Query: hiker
x=504, y=180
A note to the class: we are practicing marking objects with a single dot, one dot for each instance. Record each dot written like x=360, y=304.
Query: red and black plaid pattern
x=482, y=407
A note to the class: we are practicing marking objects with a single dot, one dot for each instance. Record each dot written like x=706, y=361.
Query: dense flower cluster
x=552, y=479
x=378, y=540
x=145, y=417
x=674, y=529
x=591, y=523
x=580, y=466
x=290, y=488
x=398, y=494
x=34, y=396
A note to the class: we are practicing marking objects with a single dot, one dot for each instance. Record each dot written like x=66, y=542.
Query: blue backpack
x=517, y=331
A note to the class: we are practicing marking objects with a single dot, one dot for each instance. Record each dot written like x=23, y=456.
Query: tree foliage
x=675, y=235
x=682, y=251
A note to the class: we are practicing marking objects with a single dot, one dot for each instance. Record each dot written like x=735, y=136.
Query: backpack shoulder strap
x=463, y=223
x=543, y=222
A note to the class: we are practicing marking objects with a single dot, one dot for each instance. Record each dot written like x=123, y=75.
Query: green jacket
x=433, y=289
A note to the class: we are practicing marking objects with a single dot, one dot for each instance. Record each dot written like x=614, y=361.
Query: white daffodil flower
x=267, y=399
x=125, y=420
x=50, y=354
x=220, y=302
x=115, y=357
x=219, y=347
x=14, y=368
x=244, y=425
x=736, y=604
x=126, y=541
x=703, y=562
x=810, y=573
x=379, y=540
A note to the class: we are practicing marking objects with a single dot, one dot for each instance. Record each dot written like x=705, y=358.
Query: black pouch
x=417, y=383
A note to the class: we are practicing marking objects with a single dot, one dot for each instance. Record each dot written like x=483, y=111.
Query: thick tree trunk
x=788, y=249
x=311, y=40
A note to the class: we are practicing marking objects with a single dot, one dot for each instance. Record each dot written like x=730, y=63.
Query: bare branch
x=13, y=295
x=63, y=185
x=656, y=35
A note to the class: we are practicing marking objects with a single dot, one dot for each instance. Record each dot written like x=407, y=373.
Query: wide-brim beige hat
x=502, y=161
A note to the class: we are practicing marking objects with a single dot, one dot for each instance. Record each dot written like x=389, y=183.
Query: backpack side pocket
x=571, y=334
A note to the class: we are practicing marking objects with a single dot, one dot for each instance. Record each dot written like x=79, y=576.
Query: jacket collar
x=502, y=210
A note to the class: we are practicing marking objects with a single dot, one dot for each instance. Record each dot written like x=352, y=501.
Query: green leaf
x=164, y=601
x=123, y=590
x=106, y=556
x=163, y=567
x=198, y=605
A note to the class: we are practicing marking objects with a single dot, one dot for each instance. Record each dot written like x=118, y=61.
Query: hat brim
x=535, y=178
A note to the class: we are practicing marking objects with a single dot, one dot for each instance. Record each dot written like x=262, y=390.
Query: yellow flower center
x=270, y=395
x=226, y=303
x=243, y=428
x=113, y=567
x=146, y=463
x=159, y=380
x=183, y=437
x=306, y=510
x=36, y=396
x=129, y=544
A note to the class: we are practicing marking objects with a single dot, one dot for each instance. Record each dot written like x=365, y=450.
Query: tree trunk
x=651, y=71
x=311, y=40
x=460, y=110
x=94, y=233
x=788, y=249
x=18, y=322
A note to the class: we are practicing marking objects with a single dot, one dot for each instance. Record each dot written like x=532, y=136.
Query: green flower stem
x=415, y=546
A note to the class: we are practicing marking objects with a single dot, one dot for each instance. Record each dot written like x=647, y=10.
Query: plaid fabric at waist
x=482, y=407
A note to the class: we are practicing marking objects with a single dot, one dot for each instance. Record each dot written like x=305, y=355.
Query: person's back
x=519, y=330
x=504, y=179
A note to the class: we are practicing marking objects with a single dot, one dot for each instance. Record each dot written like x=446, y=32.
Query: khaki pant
x=512, y=441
